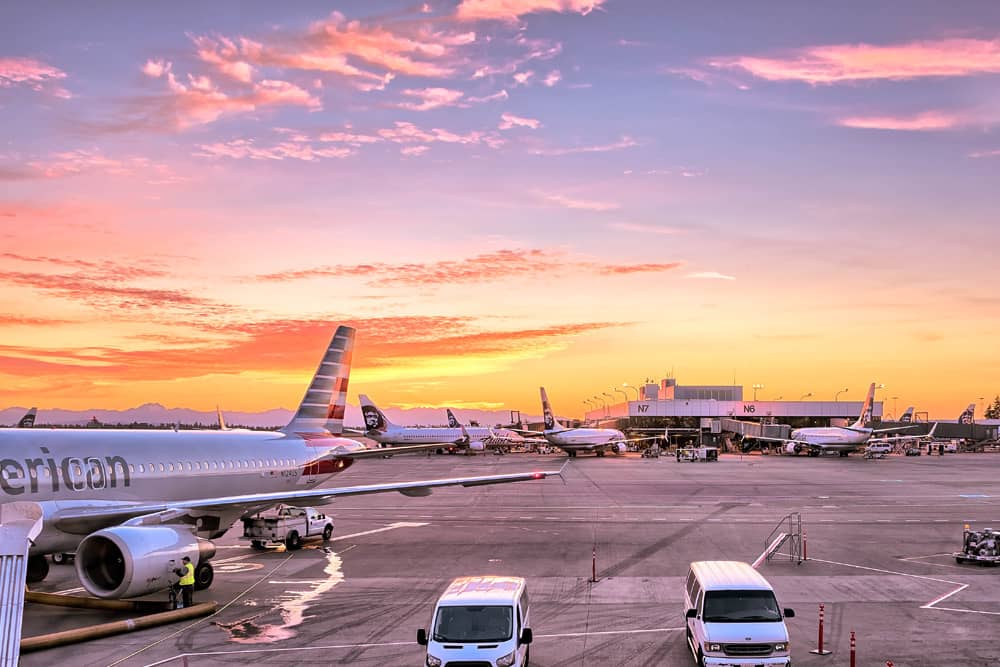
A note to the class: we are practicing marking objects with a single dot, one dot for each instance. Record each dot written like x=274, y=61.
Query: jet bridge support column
x=20, y=523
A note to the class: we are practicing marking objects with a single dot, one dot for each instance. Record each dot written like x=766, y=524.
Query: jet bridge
x=20, y=524
x=756, y=429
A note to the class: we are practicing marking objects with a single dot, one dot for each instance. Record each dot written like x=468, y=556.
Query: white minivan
x=481, y=621
x=733, y=618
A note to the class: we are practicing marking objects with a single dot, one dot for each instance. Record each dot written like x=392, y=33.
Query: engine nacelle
x=621, y=448
x=792, y=448
x=477, y=445
x=128, y=561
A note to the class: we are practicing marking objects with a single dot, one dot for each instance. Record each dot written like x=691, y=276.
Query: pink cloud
x=413, y=151
x=405, y=133
x=225, y=56
x=859, y=62
x=348, y=138
x=982, y=154
x=643, y=229
x=709, y=275
x=522, y=78
x=431, y=98
x=512, y=10
x=928, y=120
x=621, y=144
x=74, y=162
x=32, y=73
x=156, y=68
x=581, y=204
x=509, y=121
x=240, y=149
x=501, y=95
x=552, y=78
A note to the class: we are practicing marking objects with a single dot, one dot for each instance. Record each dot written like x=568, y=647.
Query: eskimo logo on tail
x=549, y=419
x=28, y=420
x=373, y=418
x=452, y=422
x=907, y=416
x=968, y=415
x=866, y=409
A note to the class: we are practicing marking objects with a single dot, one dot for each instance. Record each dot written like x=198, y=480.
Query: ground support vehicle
x=979, y=546
x=287, y=525
x=697, y=454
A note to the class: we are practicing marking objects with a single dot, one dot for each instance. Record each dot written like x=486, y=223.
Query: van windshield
x=473, y=624
x=740, y=607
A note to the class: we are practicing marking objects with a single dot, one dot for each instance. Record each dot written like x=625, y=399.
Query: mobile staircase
x=787, y=532
x=20, y=523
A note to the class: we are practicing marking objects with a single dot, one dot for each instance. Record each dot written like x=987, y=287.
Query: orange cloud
x=511, y=10
x=928, y=120
x=862, y=62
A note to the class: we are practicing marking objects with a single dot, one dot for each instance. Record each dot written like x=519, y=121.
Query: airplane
x=28, y=420
x=131, y=502
x=907, y=416
x=841, y=439
x=384, y=432
x=574, y=440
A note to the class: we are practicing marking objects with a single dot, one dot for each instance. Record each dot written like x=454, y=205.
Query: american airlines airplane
x=574, y=440
x=841, y=439
x=384, y=432
x=130, y=503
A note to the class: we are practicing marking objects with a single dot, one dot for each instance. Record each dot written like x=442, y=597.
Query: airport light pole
x=895, y=415
x=626, y=384
x=623, y=392
x=836, y=397
x=755, y=388
x=611, y=396
x=981, y=399
x=603, y=402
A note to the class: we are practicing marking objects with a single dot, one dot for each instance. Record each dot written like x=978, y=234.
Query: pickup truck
x=287, y=525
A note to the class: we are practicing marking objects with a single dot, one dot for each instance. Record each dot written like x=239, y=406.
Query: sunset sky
x=499, y=194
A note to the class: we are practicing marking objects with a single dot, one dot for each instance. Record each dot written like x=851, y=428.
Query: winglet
x=322, y=407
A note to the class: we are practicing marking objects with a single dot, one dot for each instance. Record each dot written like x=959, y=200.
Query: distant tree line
x=196, y=426
x=993, y=412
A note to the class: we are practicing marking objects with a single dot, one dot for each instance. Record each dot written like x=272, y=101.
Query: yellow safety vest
x=188, y=578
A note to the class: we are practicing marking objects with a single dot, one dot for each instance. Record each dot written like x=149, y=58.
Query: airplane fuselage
x=584, y=438
x=430, y=436
x=832, y=438
x=62, y=469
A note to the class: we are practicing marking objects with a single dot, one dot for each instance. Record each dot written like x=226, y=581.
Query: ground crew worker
x=187, y=582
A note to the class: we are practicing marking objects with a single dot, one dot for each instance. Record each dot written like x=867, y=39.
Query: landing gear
x=571, y=453
x=843, y=455
x=38, y=569
x=61, y=558
x=600, y=452
x=204, y=575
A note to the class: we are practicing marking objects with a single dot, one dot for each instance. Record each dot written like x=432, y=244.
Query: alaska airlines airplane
x=133, y=503
x=384, y=432
x=28, y=420
x=907, y=416
x=841, y=439
x=575, y=440
x=968, y=415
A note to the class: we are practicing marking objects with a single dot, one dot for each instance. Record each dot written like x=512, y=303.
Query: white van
x=733, y=617
x=482, y=621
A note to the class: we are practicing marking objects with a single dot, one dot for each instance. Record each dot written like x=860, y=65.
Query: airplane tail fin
x=28, y=420
x=866, y=409
x=222, y=420
x=452, y=422
x=907, y=416
x=547, y=415
x=375, y=419
x=968, y=414
x=322, y=407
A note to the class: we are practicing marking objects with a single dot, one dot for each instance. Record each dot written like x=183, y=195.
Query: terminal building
x=715, y=410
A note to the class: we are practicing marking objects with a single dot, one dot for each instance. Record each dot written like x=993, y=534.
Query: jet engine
x=128, y=561
x=621, y=448
x=793, y=448
x=477, y=445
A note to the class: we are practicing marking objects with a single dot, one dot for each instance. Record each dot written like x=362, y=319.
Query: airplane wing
x=84, y=520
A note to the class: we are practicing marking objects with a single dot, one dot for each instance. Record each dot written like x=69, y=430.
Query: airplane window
x=189, y=465
x=76, y=469
x=260, y=464
x=197, y=465
x=205, y=464
x=170, y=467
x=33, y=473
x=162, y=467
x=131, y=468
x=152, y=468
x=215, y=465
x=142, y=468
x=47, y=472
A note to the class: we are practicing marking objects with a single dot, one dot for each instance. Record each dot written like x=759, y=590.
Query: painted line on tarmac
x=203, y=654
x=930, y=605
x=391, y=526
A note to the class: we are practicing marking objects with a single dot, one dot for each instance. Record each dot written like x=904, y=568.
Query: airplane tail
x=907, y=416
x=968, y=415
x=549, y=418
x=322, y=407
x=222, y=420
x=28, y=420
x=866, y=409
x=452, y=422
x=375, y=419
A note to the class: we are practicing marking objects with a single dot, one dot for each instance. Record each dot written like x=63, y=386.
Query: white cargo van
x=480, y=621
x=733, y=617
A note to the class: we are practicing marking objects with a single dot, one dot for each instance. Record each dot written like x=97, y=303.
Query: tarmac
x=880, y=534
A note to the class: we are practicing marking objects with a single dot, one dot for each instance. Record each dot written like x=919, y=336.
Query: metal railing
x=791, y=526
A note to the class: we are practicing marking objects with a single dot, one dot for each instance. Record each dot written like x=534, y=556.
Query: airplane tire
x=59, y=558
x=327, y=532
x=600, y=452
x=204, y=575
x=38, y=569
x=292, y=541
